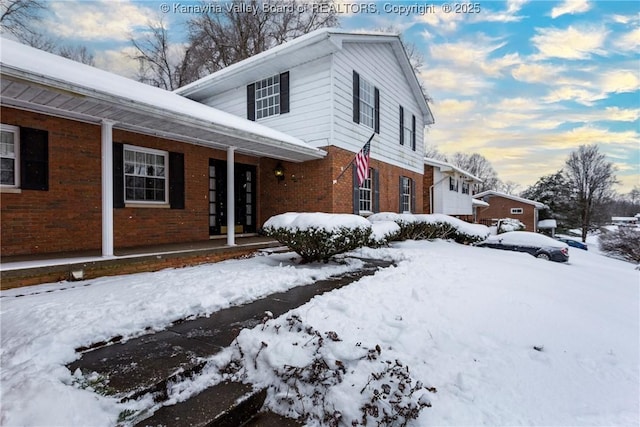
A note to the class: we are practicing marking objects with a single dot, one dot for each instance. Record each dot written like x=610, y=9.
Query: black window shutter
x=356, y=191
x=356, y=97
x=251, y=102
x=412, y=182
x=413, y=132
x=376, y=93
x=284, y=93
x=118, y=175
x=400, y=195
x=376, y=190
x=34, y=159
x=176, y=180
x=401, y=125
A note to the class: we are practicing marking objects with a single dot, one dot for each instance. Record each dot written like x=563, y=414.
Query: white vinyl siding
x=377, y=64
x=446, y=201
x=309, y=103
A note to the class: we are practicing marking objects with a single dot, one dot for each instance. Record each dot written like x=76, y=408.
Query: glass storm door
x=245, y=198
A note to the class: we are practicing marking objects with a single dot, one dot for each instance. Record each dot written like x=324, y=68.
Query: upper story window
x=465, y=188
x=366, y=103
x=268, y=97
x=145, y=175
x=453, y=184
x=517, y=211
x=407, y=128
x=9, y=151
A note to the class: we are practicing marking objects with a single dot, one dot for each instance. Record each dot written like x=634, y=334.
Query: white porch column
x=231, y=199
x=107, y=188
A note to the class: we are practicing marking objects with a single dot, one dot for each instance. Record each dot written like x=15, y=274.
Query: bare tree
x=509, y=187
x=77, y=53
x=161, y=63
x=431, y=151
x=479, y=166
x=19, y=18
x=591, y=179
x=245, y=28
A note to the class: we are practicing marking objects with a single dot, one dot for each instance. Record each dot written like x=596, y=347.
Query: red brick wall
x=67, y=216
x=501, y=208
x=427, y=182
x=308, y=187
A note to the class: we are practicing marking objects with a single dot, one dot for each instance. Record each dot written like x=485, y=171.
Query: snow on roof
x=537, y=205
x=478, y=202
x=444, y=165
x=52, y=69
x=547, y=223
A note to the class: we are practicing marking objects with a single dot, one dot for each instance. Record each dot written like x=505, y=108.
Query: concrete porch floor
x=21, y=270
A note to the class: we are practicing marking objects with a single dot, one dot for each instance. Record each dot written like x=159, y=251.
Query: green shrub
x=312, y=236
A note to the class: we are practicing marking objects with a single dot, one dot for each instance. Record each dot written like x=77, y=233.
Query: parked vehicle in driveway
x=538, y=245
x=572, y=242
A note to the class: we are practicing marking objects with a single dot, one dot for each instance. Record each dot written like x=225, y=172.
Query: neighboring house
x=333, y=89
x=91, y=161
x=447, y=189
x=503, y=205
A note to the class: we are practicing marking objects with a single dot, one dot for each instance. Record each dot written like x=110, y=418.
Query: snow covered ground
x=464, y=319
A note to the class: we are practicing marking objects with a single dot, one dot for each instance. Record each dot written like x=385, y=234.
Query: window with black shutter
x=268, y=97
x=34, y=159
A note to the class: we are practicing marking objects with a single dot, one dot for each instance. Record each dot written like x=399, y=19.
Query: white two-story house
x=334, y=90
x=448, y=189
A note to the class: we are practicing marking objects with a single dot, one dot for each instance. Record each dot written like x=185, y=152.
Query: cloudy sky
x=521, y=82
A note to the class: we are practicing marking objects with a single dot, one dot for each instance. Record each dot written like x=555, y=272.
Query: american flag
x=362, y=162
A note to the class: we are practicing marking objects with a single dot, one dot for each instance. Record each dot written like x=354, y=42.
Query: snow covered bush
x=433, y=226
x=383, y=232
x=510, y=224
x=623, y=243
x=319, y=236
x=321, y=380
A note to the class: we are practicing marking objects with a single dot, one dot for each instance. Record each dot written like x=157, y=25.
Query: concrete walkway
x=146, y=365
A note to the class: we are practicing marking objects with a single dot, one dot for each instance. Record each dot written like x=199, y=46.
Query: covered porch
x=25, y=270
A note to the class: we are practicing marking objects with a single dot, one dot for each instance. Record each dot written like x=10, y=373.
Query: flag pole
x=335, y=181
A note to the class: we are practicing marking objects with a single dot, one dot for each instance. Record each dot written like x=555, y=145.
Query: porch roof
x=38, y=81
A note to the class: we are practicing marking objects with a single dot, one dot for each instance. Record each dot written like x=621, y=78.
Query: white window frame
x=367, y=103
x=144, y=150
x=407, y=127
x=365, y=198
x=267, y=92
x=517, y=211
x=406, y=194
x=15, y=156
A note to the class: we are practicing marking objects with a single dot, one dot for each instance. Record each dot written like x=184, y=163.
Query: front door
x=245, y=197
